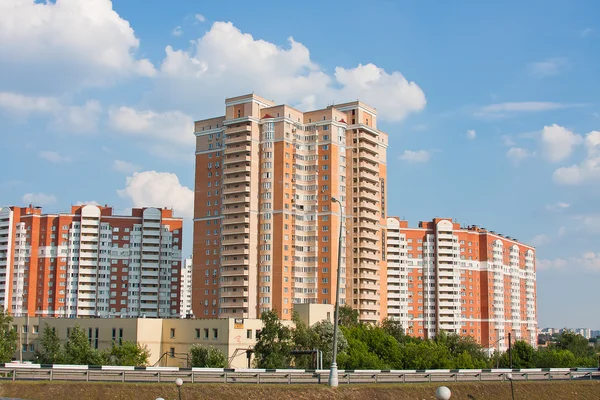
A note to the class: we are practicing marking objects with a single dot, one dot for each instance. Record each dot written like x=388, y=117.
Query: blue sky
x=492, y=108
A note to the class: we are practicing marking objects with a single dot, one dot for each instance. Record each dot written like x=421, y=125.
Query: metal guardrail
x=86, y=373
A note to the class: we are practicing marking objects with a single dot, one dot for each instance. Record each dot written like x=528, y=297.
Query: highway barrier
x=103, y=373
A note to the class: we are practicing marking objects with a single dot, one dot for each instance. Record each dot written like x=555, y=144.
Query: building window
x=205, y=333
x=172, y=351
x=197, y=333
x=215, y=333
x=249, y=334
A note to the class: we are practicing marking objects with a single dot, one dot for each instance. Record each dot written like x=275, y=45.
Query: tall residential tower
x=265, y=226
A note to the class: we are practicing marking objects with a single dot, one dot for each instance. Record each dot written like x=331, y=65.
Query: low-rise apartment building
x=464, y=280
x=167, y=339
x=90, y=262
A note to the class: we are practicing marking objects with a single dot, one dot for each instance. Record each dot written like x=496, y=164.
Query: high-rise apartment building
x=466, y=280
x=89, y=262
x=265, y=224
x=185, y=298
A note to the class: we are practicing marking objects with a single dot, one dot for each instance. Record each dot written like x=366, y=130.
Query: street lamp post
x=179, y=383
x=509, y=376
x=333, y=371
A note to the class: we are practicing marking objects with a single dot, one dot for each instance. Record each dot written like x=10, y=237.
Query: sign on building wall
x=238, y=323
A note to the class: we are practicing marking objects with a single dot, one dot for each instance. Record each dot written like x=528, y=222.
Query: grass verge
x=564, y=390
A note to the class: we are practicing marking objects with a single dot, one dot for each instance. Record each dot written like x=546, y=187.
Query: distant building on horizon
x=90, y=263
x=464, y=280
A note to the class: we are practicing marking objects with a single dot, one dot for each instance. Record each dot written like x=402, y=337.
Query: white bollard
x=443, y=393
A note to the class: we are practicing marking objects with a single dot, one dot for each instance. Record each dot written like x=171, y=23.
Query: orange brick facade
x=90, y=263
x=465, y=280
x=265, y=226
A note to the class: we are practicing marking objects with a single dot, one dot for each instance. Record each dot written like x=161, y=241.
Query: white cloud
x=588, y=169
x=587, y=261
x=125, y=167
x=78, y=119
x=471, y=134
x=508, y=141
x=159, y=189
x=66, y=44
x=558, y=206
x=177, y=31
x=558, y=142
x=562, y=231
x=84, y=203
x=500, y=110
x=540, y=240
x=226, y=61
x=547, y=68
x=66, y=118
x=419, y=156
x=392, y=95
x=22, y=105
x=172, y=126
x=54, y=157
x=518, y=154
x=38, y=198
x=590, y=223
x=586, y=32
x=200, y=17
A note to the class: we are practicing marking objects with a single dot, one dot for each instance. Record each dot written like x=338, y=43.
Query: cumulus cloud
x=518, y=154
x=588, y=170
x=76, y=43
x=65, y=118
x=200, y=17
x=38, y=198
x=171, y=126
x=54, y=157
x=125, y=167
x=558, y=142
x=418, y=156
x=228, y=61
x=547, y=68
x=471, y=134
x=587, y=261
x=159, y=189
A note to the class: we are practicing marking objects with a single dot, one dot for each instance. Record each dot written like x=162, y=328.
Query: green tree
x=129, y=353
x=207, y=357
x=322, y=339
x=394, y=328
x=272, y=350
x=303, y=338
x=78, y=350
x=51, y=350
x=377, y=342
x=348, y=317
x=576, y=344
x=457, y=345
x=554, y=358
x=8, y=337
